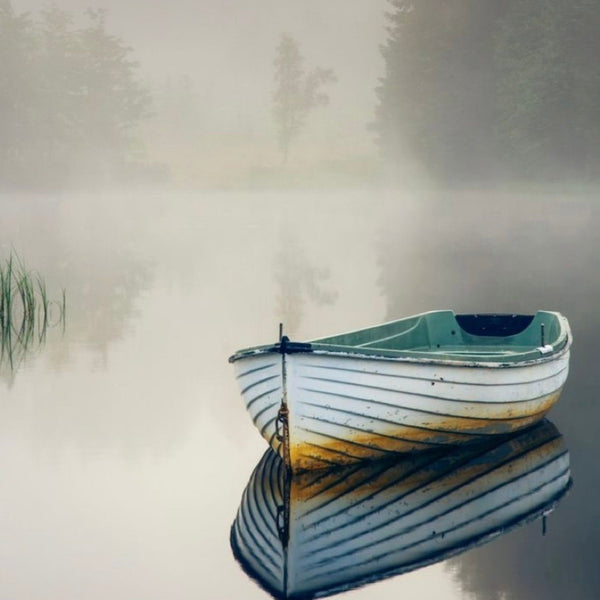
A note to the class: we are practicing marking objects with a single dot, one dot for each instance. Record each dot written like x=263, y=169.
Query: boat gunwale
x=560, y=346
x=378, y=355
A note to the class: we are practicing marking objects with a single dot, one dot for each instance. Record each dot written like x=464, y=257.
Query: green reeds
x=26, y=312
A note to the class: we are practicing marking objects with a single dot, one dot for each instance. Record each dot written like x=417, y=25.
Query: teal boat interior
x=444, y=335
x=472, y=337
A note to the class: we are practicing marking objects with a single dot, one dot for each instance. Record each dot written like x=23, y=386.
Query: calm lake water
x=124, y=446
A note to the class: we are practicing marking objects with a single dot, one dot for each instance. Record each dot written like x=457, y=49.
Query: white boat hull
x=343, y=409
x=261, y=384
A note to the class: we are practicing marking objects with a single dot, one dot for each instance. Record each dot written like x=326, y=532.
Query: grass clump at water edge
x=26, y=312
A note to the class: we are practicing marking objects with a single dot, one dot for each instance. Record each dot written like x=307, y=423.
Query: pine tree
x=114, y=101
x=436, y=97
x=476, y=88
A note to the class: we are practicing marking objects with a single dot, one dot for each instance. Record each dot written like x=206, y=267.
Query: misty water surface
x=124, y=446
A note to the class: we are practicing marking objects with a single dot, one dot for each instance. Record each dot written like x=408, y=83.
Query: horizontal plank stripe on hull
x=244, y=540
x=251, y=562
x=272, y=407
x=265, y=428
x=379, y=441
x=335, y=451
x=256, y=506
x=451, y=395
x=410, y=528
x=338, y=477
x=256, y=370
x=256, y=521
x=255, y=526
x=403, y=427
x=462, y=410
x=420, y=485
x=258, y=382
x=533, y=495
x=377, y=490
x=359, y=447
x=245, y=530
x=250, y=402
x=397, y=425
x=463, y=372
x=313, y=484
x=317, y=462
x=343, y=453
x=362, y=372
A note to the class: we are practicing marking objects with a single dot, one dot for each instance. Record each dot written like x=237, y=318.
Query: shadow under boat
x=320, y=533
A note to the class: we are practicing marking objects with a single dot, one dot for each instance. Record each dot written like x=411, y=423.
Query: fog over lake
x=191, y=226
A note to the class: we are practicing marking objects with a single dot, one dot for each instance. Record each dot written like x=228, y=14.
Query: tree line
x=70, y=99
x=477, y=89
x=472, y=90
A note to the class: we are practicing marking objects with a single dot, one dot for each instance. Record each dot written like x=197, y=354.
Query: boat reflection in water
x=323, y=532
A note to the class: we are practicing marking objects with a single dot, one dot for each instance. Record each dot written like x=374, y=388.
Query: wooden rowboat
x=321, y=532
x=419, y=383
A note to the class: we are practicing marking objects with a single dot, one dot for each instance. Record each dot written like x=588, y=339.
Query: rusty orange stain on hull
x=318, y=450
x=413, y=471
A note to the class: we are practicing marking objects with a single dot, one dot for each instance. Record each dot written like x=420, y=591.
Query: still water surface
x=124, y=447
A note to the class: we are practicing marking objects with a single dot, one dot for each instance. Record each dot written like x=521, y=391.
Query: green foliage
x=477, y=88
x=26, y=312
x=296, y=92
x=69, y=98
